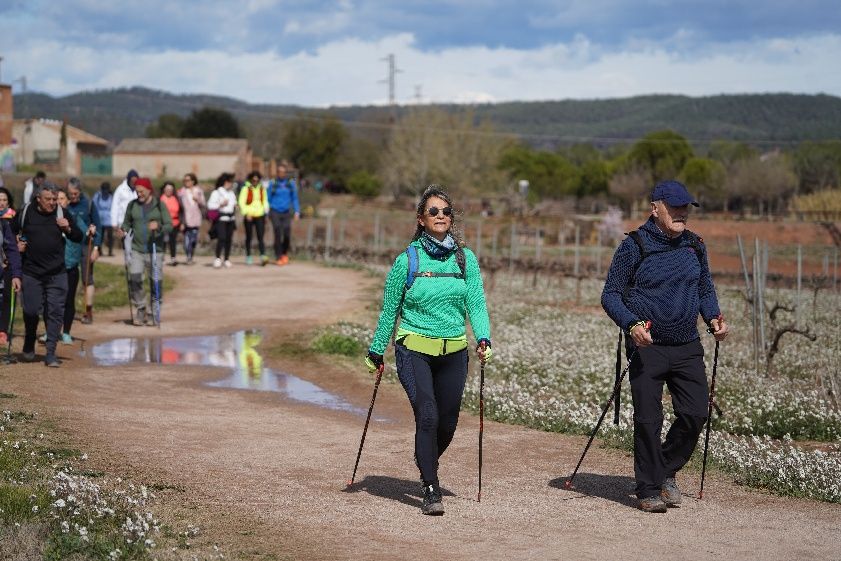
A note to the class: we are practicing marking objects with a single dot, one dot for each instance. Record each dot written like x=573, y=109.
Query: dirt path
x=265, y=476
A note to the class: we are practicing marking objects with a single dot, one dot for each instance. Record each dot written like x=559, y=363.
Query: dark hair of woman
x=163, y=187
x=438, y=191
x=8, y=196
x=224, y=178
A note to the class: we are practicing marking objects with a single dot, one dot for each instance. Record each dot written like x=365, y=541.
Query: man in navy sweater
x=663, y=276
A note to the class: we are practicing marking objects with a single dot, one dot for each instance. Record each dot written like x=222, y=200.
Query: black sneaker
x=652, y=504
x=670, y=493
x=432, y=504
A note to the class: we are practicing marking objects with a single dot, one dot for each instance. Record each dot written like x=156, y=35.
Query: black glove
x=374, y=361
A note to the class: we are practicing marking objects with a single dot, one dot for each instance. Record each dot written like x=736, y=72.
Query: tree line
x=401, y=154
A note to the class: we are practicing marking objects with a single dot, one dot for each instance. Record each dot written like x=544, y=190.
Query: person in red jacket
x=173, y=205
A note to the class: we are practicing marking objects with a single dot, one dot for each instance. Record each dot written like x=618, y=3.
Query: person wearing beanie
x=123, y=195
x=149, y=223
x=660, y=274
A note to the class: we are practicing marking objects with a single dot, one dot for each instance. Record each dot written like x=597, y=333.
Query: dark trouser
x=108, y=239
x=171, y=241
x=70, y=301
x=224, y=237
x=191, y=238
x=258, y=224
x=681, y=367
x=282, y=226
x=6, y=301
x=434, y=385
x=43, y=295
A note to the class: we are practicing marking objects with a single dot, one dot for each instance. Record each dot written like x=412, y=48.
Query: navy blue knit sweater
x=670, y=287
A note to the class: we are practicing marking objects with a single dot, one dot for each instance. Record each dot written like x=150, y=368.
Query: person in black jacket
x=41, y=232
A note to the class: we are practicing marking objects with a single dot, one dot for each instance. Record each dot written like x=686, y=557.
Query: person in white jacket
x=221, y=208
x=123, y=195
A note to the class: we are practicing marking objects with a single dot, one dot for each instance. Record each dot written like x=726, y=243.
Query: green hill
x=775, y=119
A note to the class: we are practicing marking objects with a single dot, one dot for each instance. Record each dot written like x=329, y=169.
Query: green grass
x=111, y=288
x=337, y=344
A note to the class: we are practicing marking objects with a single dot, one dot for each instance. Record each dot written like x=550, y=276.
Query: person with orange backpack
x=254, y=205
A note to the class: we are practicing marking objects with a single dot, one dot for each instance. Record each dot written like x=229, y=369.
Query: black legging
x=434, y=385
x=108, y=239
x=224, y=237
x=70, y=301
x=260, y=225
x=172, y=241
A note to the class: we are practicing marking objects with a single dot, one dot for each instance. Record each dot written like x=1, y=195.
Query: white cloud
x=349, y=71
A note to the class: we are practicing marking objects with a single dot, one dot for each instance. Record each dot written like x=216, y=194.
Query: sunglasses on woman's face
x=434, y=210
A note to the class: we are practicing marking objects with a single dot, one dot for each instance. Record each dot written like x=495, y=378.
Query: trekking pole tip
x=568, y=484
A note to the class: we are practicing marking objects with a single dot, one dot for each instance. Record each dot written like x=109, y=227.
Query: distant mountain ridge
x=769, y=119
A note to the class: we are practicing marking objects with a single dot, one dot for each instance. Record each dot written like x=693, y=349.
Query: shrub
x=364, y=184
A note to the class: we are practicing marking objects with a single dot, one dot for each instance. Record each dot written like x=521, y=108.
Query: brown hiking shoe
x=670, y=493
x=652, y=504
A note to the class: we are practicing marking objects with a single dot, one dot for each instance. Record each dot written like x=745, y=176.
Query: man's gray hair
x=74, y=182
x=45, y=186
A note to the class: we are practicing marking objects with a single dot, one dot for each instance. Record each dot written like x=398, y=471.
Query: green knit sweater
x=434, y=306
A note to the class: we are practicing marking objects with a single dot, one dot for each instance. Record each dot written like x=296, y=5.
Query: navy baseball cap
x=673, y=192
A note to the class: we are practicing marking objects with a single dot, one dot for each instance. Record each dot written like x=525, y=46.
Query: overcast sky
x=323, y=52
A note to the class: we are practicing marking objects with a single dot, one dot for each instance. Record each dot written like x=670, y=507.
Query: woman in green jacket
x=433, y=286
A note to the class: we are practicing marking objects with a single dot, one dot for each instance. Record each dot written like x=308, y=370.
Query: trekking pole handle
x=483, y=346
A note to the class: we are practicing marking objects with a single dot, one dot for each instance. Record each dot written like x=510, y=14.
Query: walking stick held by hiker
x=9, y=359
x=86, y=279
x=483, y=346
x=617, y=387
x=709, y=419
x=380, y=369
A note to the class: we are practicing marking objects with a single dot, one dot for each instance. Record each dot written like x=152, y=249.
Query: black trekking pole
x=709, y=421
x=617, y=387
x=367, y=420
x=481, y=416
x=9, y=359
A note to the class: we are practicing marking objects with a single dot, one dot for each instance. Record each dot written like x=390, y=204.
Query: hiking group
x=49, y=245
x=658, y=284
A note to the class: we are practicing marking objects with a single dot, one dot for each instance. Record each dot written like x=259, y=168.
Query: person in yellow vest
x=254, y=205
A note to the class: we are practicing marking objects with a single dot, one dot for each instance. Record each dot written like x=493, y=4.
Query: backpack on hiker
x=412, y=273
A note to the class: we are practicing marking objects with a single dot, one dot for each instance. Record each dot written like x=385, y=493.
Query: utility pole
x=418, y=94
x=392, y=70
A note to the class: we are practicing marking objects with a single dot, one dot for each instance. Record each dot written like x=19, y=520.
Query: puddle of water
x=235, y=352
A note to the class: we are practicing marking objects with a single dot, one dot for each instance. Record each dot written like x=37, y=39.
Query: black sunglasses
x=433, y=210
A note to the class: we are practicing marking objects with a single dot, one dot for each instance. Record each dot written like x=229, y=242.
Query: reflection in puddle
x=235, y=351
